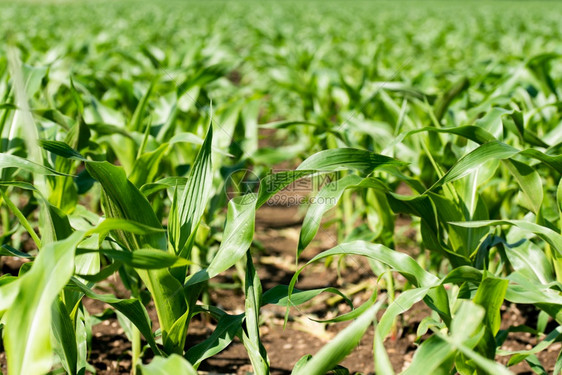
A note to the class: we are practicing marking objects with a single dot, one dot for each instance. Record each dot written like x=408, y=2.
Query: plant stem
x=136, y=349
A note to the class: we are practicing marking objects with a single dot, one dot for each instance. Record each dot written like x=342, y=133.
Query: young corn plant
x=134, y=241
x=486, y=267
x=127, y=183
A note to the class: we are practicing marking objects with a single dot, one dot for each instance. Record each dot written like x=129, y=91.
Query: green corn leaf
x=527, y=291
x=279, y=295
x=273, y=183
x=340, y=346
x=490, y=295
x=436, y=297
x=108, y=129
x=559, y=199
x=462, y=240
x=227, y=328
x=253, y=292
x=9, y=289
x=7, y=250
x=89, y=263
x=396, y=260
x=146, y=259
x=527, y=257
x=23, y=221
x=525, y=135
x=547, y=234
x=301, y=363
x=146, y=168
x=485, y=364
x=536, y=365
x=237, y=238
x=174, y=364
x=400, y=305
x=170, y=305
x=238, y=234
x=61, y=149
x=194, y=139
x=489, y=366
x=191, y=205
x=124, y=201
x=54, y=115
x=165, y=183
x=328, y=198
x=496, y=150
x=474, y=133
x=26, y=80
x=354, y=313
x=27, y=335
x=474, y=159
x=102, y=274
x=76, y=97
x=287, y=124
x=424, y=206
x=8, y=106
x=53, y=223
x=444, y=101
x=131, y=308
x=555, y=162
x=82, y=340
x=466, y=330
x=382, y=362
x=21, y=185
x=432, y=356
x=520, y=355
x=13, y=161
x=65, y=337
x=135, y=124
x=463, y=274
x=346, y=158
x=111, y=224
x=530, y=182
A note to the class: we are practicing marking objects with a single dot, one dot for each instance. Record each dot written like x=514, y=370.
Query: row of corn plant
x=128, y=239
x=114, y=163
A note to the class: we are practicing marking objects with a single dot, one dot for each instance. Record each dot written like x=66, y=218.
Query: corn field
x=224, y=187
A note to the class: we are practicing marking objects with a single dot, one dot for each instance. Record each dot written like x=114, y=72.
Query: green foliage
x=120, y=137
